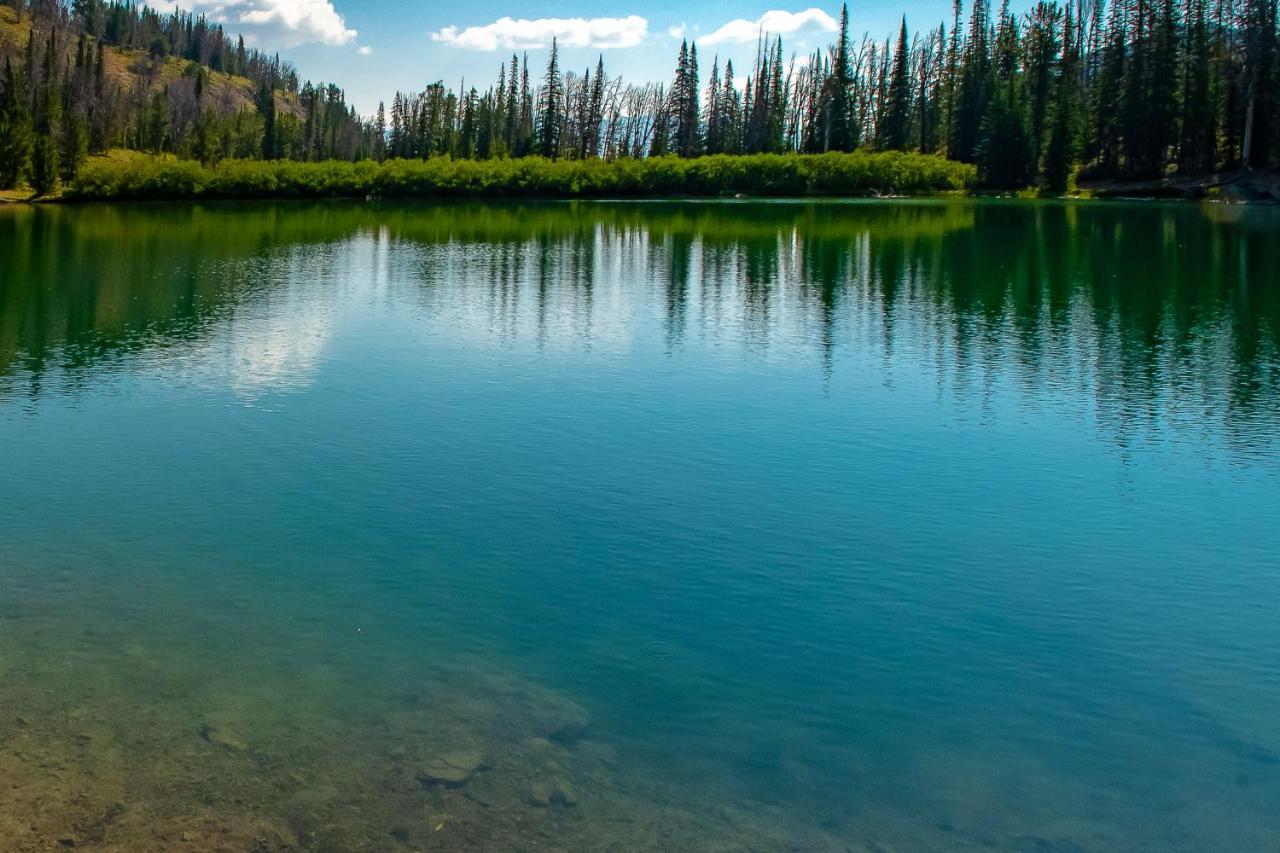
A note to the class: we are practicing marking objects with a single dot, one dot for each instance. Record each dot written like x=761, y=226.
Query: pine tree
x=399, y=135
x=684, y=113
x=713, y=140
x=513, y=107
x=973, y=90
x=499, y=117
x=549, y=120
x=730, y=132
x=1259, y=81
x=267, y=109
x=835, y=115
x=1003, y=152
x=155, y=128
x=595, y=113
x=73, y=137
x=1162, y=88
x=99, y=108
x=1197, y=143
x=690, y=123
x=932, y=97
x=524, y=129
x=778, y=99
x=896, y=126
x=465, y=147
x=1060, y=154
x=1108, y=96
x=951, y=83
x=48, y=119
x=16, y=131
x=1135, y=109
x=1041, y=50
x=380, y=134
x=660, y=143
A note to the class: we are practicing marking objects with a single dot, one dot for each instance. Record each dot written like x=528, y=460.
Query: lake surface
x=669, y=526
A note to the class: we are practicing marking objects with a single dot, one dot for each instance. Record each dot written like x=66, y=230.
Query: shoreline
x=1234, y=187
x=1125, y=194
x=1200, y=191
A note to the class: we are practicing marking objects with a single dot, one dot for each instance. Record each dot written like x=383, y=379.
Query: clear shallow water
x=933, y=526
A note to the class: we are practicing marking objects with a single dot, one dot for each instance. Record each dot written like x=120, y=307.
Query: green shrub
x=859, y=173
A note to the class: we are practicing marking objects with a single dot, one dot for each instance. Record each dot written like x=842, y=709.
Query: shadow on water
x=619, y=526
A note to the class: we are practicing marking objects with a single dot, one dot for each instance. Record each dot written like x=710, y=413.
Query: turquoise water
x=719, y=526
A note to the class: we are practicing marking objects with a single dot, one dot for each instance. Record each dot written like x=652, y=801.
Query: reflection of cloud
x=569, y=32
x=278, y=351
x=276, y=339
x=773, y=23
x=282, y=23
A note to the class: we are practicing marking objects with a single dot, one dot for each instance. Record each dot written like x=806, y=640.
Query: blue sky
x=374, y=47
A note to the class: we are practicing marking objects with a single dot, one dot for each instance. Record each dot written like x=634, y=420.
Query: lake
x=872, y=526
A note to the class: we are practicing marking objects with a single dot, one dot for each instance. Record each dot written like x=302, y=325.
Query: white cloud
x=678, y=31
x=271, y=23
x=364, y=51
x=569, y=32
x=774, y=23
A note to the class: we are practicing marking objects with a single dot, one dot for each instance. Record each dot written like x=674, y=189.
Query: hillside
x=102, y=75
x=133, y=71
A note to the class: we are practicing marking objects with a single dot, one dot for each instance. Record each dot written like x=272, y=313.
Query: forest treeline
x=1100, y=88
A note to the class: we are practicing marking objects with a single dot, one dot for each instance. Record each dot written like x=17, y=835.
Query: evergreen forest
x=1081, y=90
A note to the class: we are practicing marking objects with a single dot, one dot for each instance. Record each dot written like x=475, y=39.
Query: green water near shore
x=671, y=526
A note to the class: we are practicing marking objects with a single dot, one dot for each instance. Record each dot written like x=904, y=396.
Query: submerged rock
x=547, y=792
x=565, y=794
x=452, y=769
x=540, y=793
x=539, y=744
x=558, y=719
x=315, y=798
x=599, y=752
x=225, y=738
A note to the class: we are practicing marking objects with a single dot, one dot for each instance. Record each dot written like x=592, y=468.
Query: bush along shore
x=832, y=174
